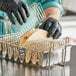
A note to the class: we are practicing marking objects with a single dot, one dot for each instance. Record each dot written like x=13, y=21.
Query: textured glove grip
x=5, y=5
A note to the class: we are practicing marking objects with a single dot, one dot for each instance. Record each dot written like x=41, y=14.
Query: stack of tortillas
x=34, y=35
x=30, y=36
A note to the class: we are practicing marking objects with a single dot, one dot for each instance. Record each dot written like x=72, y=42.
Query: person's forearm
x=53, y=12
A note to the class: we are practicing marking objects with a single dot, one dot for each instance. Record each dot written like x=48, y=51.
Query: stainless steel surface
x=8, y=68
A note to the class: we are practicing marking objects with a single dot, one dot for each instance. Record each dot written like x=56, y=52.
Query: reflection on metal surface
x=22, y=70
x=4, y=68
x=60, y=71
x=33, y=72
x=16, y=70
x=27, y=71
x=10, y=69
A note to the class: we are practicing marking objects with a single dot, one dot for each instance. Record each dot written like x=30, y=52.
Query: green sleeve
x=2, y=28
x=51, y=3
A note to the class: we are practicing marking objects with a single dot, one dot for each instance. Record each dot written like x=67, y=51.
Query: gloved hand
x=53, y=28
x=15, y=8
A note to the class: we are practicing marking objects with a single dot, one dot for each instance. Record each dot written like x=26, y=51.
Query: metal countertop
x=13, y=69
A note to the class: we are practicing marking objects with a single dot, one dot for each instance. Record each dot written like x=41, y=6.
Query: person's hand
x=15, y=8
x=53, y=28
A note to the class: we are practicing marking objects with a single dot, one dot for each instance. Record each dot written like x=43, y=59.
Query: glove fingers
x=41, y=26
x=57, y=34
x=18, y=17
x=46, y=27
x=22, y=13
x=26, y=9
x=12, y=19
x=52, y=30
x=60, y=28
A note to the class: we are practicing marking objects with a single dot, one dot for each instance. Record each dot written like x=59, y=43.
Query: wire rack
x=40, y=53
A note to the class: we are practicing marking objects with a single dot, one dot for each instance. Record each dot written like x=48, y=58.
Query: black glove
x=53, y=27
x=15, y=8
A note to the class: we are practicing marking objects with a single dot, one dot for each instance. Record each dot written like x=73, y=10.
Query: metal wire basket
x=41, y=53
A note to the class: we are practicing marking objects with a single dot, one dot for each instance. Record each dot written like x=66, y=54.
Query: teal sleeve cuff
x=3, y=14
x=52, y=4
